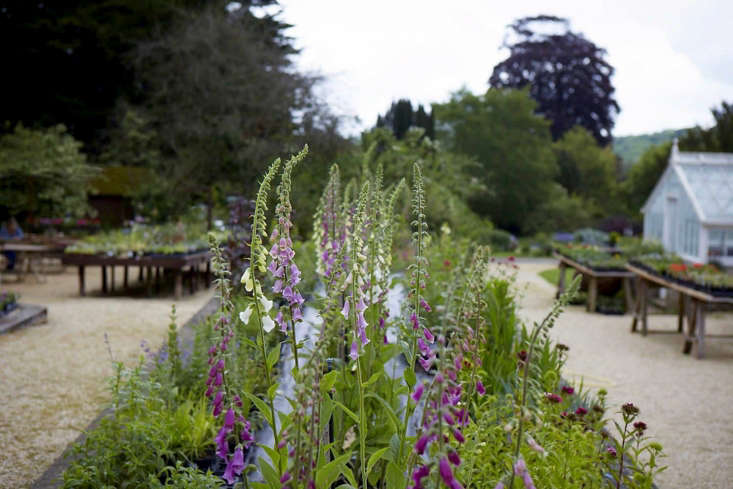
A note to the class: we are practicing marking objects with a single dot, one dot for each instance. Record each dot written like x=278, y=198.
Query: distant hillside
x=630, y=148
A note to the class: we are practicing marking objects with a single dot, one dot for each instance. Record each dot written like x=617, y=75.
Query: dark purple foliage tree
x=566, y=73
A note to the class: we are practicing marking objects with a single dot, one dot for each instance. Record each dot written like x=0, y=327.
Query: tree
x=512, y=146
x=222, y=100
x=42, y=173
x=585, y=169
x=644, y=175
x=400, y=118
x=718, y=138
x=566, y=74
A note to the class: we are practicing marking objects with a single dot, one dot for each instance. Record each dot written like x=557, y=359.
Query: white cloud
x=673, y=60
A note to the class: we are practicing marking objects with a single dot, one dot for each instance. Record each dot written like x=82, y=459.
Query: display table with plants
x=155, y=250
x=595, y=264
x=387, y=376
x=699, y=287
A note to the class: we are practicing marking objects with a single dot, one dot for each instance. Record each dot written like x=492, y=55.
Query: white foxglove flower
x=244, y=315
x=266, y=304
x=267, y=324
x=247, y=280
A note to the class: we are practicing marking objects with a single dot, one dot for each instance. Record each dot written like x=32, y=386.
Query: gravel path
x=687, y=403
x=52, y=376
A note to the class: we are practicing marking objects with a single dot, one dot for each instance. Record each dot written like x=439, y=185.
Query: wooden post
x=112, y=278
x=592, y=294
x=691, y=326
x=561, y=279
x=104, y=279
x=140, y=274
x=680, y=311
x=178, y=287
x=82, y=291
x=192, y=285
x=157, y=279
x=125, y=276
x=643, y=298
x=701, y=330
x=628, y=295
x=149, y=280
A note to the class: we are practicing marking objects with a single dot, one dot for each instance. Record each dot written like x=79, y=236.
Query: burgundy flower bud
x=553, y=398
x=568, y=390
x=581, y=411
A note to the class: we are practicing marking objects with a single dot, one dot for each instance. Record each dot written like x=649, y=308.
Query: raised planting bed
x=22, y=315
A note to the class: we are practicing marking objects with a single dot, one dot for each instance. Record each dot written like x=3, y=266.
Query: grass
x=553, y=274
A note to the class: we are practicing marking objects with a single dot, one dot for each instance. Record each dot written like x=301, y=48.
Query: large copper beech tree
x=566, y=73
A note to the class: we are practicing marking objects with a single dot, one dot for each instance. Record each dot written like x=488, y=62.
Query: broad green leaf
x=390, y=412
x=348, y=411
x=372, y=379
x=410, y=378
x=329, y=472
x=272, y=390
x=328, y=380
x=269, y=473
x=272, y=453
x=346, y=471
x=395, y=477
x=273, y=356
x=375, y=458
x=261, y=406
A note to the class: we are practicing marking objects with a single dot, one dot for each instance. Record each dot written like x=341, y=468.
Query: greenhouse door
x=670, y=224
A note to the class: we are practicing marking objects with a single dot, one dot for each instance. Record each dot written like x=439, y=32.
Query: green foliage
x=644, y=175
x=560, y=212
x=43, y=173
x=630, y=148
x=512, y=146
x=586, y=169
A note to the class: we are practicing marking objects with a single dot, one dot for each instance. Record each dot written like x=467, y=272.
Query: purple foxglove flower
x=363, y=337
x=499, y=485
x=454, y=458
x=274, y=234
x=229, y=418
x=381, y=322
x=385, y=340
x=354, y=353
x=294, y=274
x=424, y=349
x=422, y=442
x=218, y=398
x=426, y=363
x=428, y=335
x=345, y=310
x=272, y=267
x=439, y=379
x=480, y=388
x=419, y=474
x=458, y=436
x=425, y=305
x=446, y=473
x=279, y=272
x=285, y=478
x=277, y=286
x=238, y=401
x=273, y=251
x=452, y=375
x=360, y=306
x=458, y=361
x=449, y=419
x=360, y=321
x=222, y=447
x=297, y=314
x=219, y=379
x=288, y=294
x=418, y=392
x=209, y=391
x=415, y=323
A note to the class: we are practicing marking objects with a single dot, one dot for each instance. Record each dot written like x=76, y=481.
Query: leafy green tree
x=512, y=146
x=400, y=118
x=560, y=212
x=42, y=173
x=644, y=175
x=718, y=138
x=585, y=169
x=566, y=74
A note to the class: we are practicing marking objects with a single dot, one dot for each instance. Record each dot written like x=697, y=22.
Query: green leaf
x=263, y=408
x=410, y=378
x=348, y=411
x=375, y=458
x=273, y=356
x=269, y=473
x=328, y=381
x=372, y=379
x=395, y=477
x=272, y=390
x=329, y=472
x=390, y=412
x=346, y=471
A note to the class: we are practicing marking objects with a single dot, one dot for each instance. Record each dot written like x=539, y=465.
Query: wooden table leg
x=691, y=326
x=112, y=278
x=644, y=310
x=701, y=330
x=637, y=305
x=178, y=287
x=82, y=290
x=561, y=279
x=680, y=312
x=628, y=295
x=149, y=280
x=104, y=279
x=592, y=294
x=157, y=279
x=125, y=275
x=140, y=274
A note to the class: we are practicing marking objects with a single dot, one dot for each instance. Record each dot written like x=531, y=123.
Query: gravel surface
x=686, y=402
x=52, y=376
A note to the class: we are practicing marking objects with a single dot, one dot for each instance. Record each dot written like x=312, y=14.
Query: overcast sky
x=673, y=59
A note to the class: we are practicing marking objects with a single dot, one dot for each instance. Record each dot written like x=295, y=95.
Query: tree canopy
x=401, y=117
x=42, y=173
x=566, y=74
x=512, y=146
